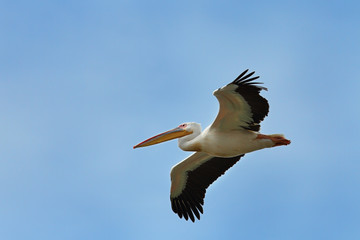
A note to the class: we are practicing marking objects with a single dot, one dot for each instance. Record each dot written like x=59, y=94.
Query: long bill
x=162, y=137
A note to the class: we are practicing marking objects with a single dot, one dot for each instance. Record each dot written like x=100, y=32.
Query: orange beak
x=163, y=137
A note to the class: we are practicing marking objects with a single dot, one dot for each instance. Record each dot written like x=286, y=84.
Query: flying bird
x=234, y=133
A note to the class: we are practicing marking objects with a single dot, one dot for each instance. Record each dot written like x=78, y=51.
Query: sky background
x=81, y=82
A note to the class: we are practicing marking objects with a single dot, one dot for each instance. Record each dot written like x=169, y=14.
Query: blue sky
x=81, y=82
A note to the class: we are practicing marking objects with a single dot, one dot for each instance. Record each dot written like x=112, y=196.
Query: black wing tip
x=184, y=208
x=244, y=79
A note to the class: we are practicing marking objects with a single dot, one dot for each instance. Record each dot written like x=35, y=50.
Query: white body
x=222, y=143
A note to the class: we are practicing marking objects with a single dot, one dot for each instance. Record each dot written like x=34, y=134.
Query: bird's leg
x=277, y=139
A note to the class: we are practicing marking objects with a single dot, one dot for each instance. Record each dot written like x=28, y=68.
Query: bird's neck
x=190, y=142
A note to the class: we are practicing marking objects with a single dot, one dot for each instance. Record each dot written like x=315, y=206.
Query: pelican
x=234, y=133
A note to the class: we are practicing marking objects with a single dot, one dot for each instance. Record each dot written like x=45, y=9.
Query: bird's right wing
x=190, y=179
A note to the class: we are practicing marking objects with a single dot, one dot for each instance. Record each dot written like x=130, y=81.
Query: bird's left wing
x=190, y=179
x=241, y=105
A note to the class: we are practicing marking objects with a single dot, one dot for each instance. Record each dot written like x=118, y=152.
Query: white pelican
x=233, y=133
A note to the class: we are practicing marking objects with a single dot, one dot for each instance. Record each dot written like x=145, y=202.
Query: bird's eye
x=183, y=125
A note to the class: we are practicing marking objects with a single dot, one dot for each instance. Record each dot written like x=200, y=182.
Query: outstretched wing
x=241, y=105
x=190, y=179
